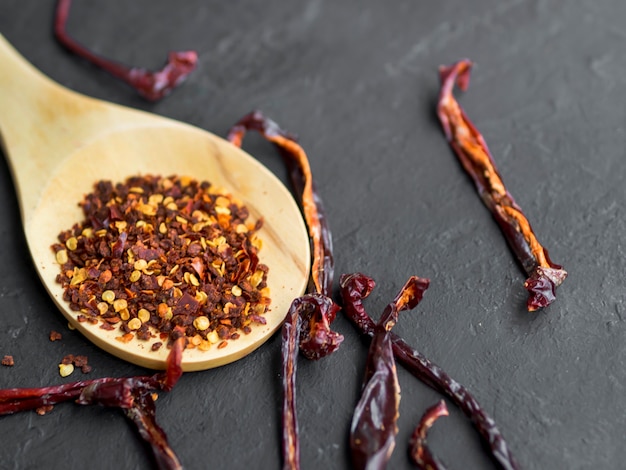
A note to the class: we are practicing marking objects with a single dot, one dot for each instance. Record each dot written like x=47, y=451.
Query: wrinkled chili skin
x=307, y=324
x=373, y=429
x=419, y=451
x=372, y=433
x=133, y=395
x=322, y=270
x=355, y=288
x=150, y=85
x=290, y=334
x=544, y=276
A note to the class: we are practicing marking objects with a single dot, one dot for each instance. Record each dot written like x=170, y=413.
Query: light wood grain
x=58, y=143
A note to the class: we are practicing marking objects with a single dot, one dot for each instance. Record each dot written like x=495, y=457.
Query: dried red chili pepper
x=418, y=449
x=307, y=323
x=544, y=276
x=133, y=395
x=151, y=85
x=373, y=430
x=356, y=287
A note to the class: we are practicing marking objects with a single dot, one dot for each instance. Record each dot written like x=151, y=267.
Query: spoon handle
x=35, y=123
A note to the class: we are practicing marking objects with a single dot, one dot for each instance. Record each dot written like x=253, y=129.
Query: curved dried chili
x=150, y=85
x=544, y=276
x=133, y=395
x=373, y=429
x=418, y=449
x=356, y=287
x=307, y=323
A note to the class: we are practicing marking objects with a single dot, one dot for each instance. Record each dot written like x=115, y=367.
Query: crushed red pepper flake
x=154, y=254
x=42, y=410
x=55, y=336
x=8, y=361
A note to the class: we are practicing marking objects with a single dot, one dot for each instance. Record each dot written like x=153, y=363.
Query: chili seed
x=120, y=304
x=143, y=315
x=134, y=323
x=201, y=323
x=62, y=257
x=108, y=296
x=134, y=276
x=71, y=243
x=66, y=369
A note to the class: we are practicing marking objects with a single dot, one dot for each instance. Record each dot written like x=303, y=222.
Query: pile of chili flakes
x=158, y=258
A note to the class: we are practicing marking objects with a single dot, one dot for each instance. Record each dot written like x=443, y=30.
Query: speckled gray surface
x=357, y=81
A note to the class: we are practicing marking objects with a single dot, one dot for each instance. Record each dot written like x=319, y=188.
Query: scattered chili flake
x=307, y=324
x=55, y=336
x=8, y=361
x=42, y=410
x=150, y=85
x=356, y=287
x=170, y=256
x=418, y=449
x=544, y=276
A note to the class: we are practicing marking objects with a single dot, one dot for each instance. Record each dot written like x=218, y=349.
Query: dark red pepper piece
x=544, y=276
x=151, y=85
x=419, y=452
x=133, y=395
x=307, y=324
x=373, y=430
x=355, y=288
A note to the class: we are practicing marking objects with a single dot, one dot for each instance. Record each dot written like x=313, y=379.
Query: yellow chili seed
x=135, y=276
x=124, y=314
x=193, y=280
x=121, y=225
x=236, y=290
x=213, y=337
x=108, y=296
x=162, y=228
x=140, y=264
x=222, y=201
x=143, y=315
x=62, y=257
x=134, y=324
x=66, y=369
x=120, y=304
x=201, y=323
x=71, y=243
x=103, y=307
x=256, y=278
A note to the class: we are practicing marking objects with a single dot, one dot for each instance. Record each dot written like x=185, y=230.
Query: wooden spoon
x=59, y=143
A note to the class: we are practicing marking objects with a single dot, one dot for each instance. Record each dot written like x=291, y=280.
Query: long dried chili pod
x=322, y=268
x=307, y=324
x=544, y=276
x=373, y=429
x=133, y=395
x=356, y=287
x=419, y=452
x=150, y=85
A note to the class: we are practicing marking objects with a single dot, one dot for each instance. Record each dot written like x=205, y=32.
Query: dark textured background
x=357, y=81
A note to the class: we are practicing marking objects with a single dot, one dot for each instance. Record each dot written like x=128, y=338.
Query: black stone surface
x=357, y=81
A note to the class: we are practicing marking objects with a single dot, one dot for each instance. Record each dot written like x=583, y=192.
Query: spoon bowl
x=59, y=143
